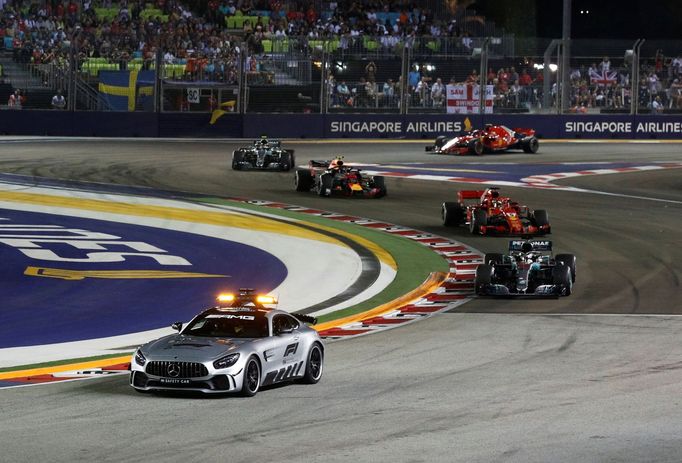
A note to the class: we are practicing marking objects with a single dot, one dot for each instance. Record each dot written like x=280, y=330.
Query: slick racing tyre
x=237, y=158
x=479, y=218
x=484, y=276
x=568, y=260
x=251, y=380
x=378, y=182
x=541, y=218
x=314, y=364
x=452, y=214
x=476, y=147
x=325, y=185
x=492, y=258
x=561, y=277
x=303, y=180
x=530, y=145
x=292, y=158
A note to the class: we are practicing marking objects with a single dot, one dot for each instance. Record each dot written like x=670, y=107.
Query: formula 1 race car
x=238, y=346
x=528, y=270
x=263, y=154
x=492, y=139
x=334, y=177
x=494, y=214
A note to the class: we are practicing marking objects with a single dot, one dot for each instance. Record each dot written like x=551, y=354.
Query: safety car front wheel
x=251, y=381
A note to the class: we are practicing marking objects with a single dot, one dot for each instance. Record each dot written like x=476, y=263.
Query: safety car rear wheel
x=530, y=145
x=479, y=218
x=251, y=381
x=568, y=260
x=303, y=180
x=314, y=364
x=484, y=276
x=452, y=213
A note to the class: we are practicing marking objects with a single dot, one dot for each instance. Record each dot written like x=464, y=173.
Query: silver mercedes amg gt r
x=238, y=346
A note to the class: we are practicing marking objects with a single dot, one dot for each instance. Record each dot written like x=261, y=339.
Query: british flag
x=603, y=78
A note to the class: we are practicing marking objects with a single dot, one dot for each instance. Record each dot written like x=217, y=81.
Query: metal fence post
x=241, y=80
x=483, y=77
x=566, y=57
x=323, y=79
x=405, y=66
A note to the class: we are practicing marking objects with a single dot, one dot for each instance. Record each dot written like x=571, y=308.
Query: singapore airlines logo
x=35, y=241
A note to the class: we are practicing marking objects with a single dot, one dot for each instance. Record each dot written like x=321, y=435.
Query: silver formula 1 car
x=263, y=154
x=238, y=346
x=529, y=269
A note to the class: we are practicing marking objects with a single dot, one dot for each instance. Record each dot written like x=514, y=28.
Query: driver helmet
x=526, y=247
x=264, y=141
x=494, y=194
x=488, y=127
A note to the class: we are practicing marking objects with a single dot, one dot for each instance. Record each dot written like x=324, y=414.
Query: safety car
x=240, y=345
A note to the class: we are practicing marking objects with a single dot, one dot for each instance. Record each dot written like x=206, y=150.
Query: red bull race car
x=491, y=139
x=327, y=178
x=486, y=212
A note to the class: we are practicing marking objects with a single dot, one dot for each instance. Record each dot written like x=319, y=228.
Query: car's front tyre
x=314, y=364
x=251, y=381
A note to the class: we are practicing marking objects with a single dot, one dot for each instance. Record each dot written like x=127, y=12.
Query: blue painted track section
x=39, y=310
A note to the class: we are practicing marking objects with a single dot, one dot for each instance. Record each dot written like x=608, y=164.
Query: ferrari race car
x=263, y=154
x=491, y=139
x=528, y=270
x=494, y=214
x=334, y=177
x=238, y=346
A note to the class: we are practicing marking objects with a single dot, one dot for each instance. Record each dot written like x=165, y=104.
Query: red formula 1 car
x=492, y=139
x=494, y=214
x=327, y=178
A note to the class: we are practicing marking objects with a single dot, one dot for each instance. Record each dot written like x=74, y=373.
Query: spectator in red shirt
x=525, y=78
x=311, y=15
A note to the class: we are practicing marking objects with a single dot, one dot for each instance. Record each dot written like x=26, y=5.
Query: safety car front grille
x=176, y=369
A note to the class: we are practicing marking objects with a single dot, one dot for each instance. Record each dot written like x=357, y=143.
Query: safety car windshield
x=229, y=324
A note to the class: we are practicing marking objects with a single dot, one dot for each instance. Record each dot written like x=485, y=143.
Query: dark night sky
x=627, y=19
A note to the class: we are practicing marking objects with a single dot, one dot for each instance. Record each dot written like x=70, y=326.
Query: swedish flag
x=121, y=89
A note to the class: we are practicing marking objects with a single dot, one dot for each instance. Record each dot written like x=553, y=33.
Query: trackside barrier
x=391, y=126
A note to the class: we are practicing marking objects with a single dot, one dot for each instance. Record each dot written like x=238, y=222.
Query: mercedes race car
x=491, y=213
x=528, y=270
x=491, y=139
x=327, y=178
x=263, y=154
x=238, y=346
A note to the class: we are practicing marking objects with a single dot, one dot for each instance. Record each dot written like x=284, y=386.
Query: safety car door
x=284, y=358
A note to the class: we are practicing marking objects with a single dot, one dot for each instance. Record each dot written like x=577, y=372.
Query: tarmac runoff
x=238, y=221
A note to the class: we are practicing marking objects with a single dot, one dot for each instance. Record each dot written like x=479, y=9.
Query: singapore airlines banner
x=464, y=99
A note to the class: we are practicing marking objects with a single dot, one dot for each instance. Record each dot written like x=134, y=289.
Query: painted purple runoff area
x=40, y=310
x=511, y=172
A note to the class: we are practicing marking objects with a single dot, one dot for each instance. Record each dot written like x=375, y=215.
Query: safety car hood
x=192, y=348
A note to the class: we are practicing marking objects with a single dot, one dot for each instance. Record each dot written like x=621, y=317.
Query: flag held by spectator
x=603, y=78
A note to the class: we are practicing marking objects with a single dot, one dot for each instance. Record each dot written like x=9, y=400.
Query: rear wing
x=318, y=163
x=469, y=194
x=537, y=245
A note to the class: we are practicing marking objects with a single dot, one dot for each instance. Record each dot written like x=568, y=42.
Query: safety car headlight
x=225, y=362
x=140, y=359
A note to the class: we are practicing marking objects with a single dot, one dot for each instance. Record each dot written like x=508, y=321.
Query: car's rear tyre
x=493, y=258
x=561, y=276
x=314, y=364
x=476, y=147
x=479, y=218
x=452, y=213
x=303, y=180
x=569, y=260
x=378, y=182
x=483, y=278
x=325, y=185
x=440, y=141
x=530, y=145
x=251, y=381
x=237, y=158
